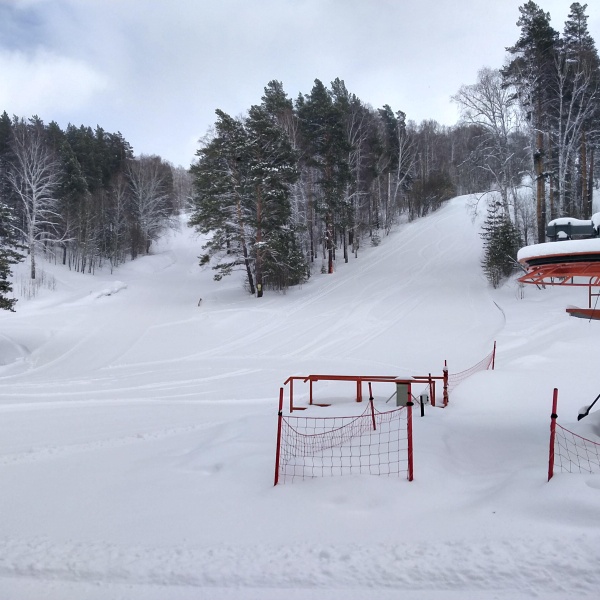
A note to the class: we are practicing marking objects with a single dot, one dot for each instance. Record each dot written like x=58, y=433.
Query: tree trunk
x=258, y=264
x=551, y=190
x=247, y=261
x=584, y=177
x=540, y=187
x=329, y=238
x=344, y=233
x=590, y=194
x=248, y=265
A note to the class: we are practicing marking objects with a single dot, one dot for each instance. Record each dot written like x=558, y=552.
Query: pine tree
x=272, y=171
x=322, y=126
x=9, y=256
x=220, y=199
x=580, y=66
x=242, y=184
x=6, y=156
x=532, y=73
x=501, y=242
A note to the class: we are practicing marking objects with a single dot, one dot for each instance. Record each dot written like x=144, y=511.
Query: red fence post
x=409, y=435
x=431, y=391
x=445, y=372
x=553, y=418
x=279, y=420
x=494, y=356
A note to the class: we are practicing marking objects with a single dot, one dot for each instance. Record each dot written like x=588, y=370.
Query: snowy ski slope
x=137, y=432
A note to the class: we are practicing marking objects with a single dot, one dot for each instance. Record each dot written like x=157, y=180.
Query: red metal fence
x=570, y=452
x=374, y=442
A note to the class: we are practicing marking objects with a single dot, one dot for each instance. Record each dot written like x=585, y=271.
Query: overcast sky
x=156, y=70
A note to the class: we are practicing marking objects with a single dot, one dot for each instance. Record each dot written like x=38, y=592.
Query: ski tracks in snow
x=356, y=309
x=511, y=566
x=54, y=451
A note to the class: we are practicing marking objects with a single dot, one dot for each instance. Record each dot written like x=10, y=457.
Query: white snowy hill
x=137, y=432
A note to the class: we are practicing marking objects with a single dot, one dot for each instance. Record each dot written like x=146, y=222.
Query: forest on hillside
x=79, y=196
x=297, y=184
x=301, y=181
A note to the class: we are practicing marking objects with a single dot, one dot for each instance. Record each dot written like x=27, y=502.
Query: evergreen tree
x=72, y=193
x=532, y=72
x=220, y=199
x=501, y=242
x=580, y=69
x=9, y=256
x=242, y=184
x=271, y=169
x=6, y=157
x=322, y=126
x=397, y=158
x=277, y=104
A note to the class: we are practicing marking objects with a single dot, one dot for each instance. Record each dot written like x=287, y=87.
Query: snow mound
x=115, y=288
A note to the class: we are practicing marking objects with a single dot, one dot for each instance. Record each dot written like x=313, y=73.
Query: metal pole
x=372, y=407
x=553, y=418
x=279, y=422
x=431, y=390
x=409, y=436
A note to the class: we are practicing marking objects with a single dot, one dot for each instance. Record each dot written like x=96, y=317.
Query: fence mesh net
x=575, y=454
x=331, y=446
x=483, y=365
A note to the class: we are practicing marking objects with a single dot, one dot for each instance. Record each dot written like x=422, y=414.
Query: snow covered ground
x=137, y=432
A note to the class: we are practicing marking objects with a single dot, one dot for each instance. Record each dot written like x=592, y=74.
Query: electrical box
x=402, y=394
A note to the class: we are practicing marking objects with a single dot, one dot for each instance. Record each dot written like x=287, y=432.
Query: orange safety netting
x=575, y=454
x=374, y=442
x=483, y=365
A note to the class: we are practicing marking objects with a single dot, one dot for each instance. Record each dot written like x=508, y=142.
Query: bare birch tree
x=34, y=177
x=151, y=187
x=491, y=106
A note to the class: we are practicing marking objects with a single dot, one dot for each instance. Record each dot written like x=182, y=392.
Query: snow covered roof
x=571, y=221
x=561, y=248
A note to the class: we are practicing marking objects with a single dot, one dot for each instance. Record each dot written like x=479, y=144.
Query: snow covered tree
x=433, y=183
x=9, y=256
x=119, y=222
x=271, y=169
x=34, y=177
x=182, y=188
x=396, y=161
x=94, y=162
x=578, y=86
x=242, y=184
x=5, y=155
x=531, y=72
x=501, y=242
x=151, y=191
x=220, y=199
x=322, y=127
x=490, y=106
